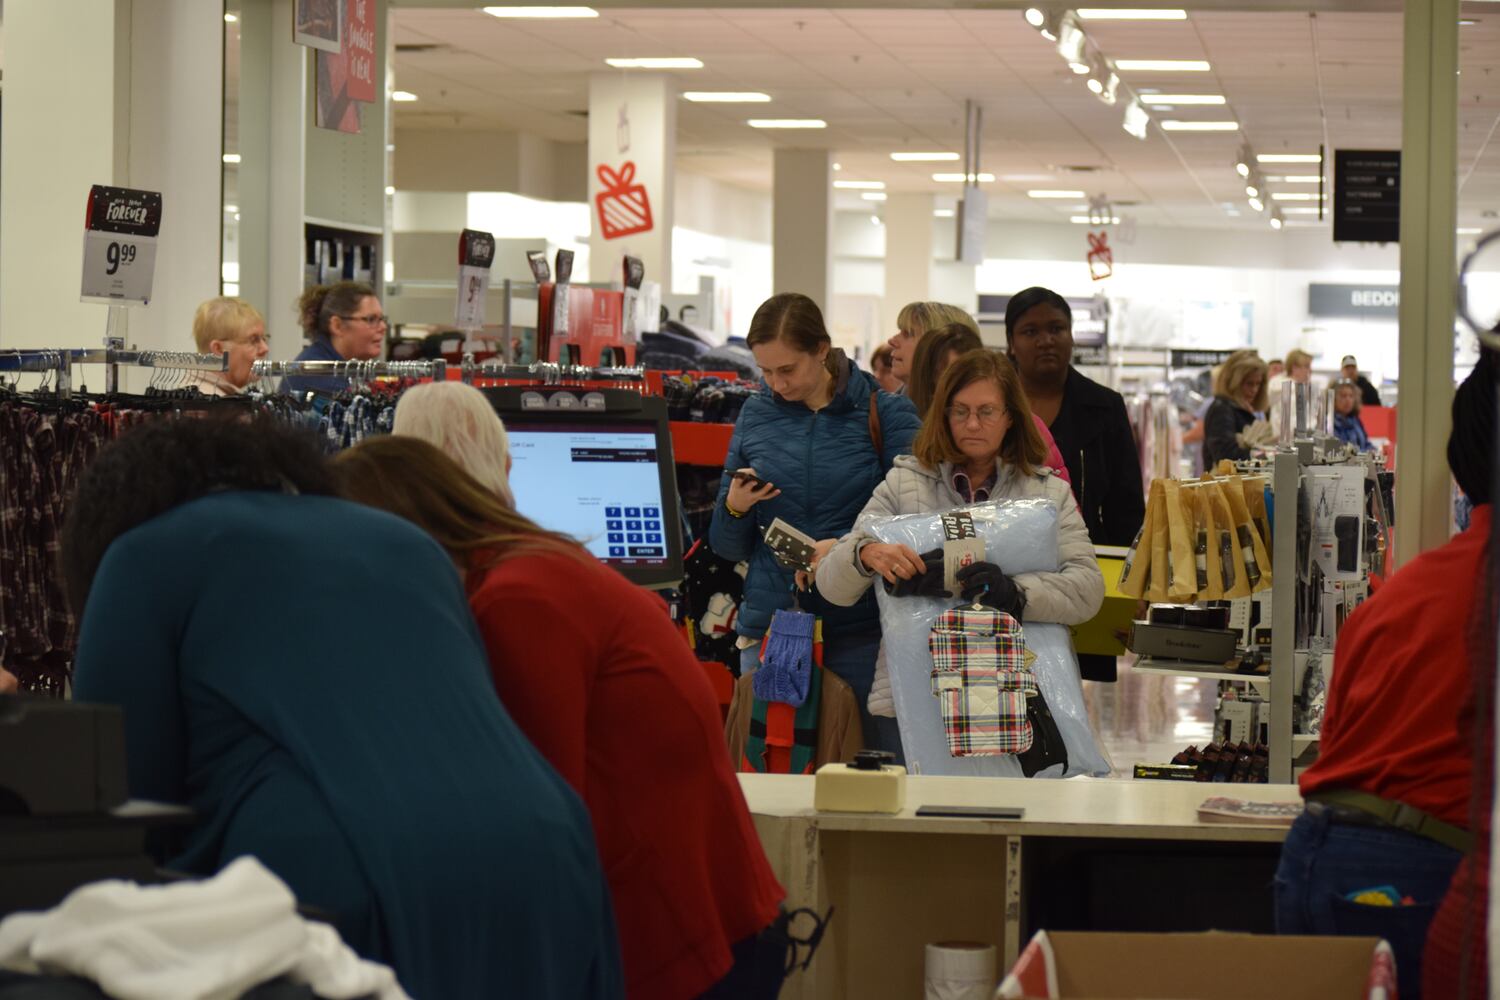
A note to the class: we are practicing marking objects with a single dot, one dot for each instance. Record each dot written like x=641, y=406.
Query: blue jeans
x=852, y=658
x=1324, y=860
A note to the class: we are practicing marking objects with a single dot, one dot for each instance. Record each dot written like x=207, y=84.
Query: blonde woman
x=915, y=321
x=229, y=326
x=1232, y=426
x=462, y=423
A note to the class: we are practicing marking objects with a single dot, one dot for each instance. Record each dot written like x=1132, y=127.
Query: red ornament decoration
x=624, y=208
x=1101, y=258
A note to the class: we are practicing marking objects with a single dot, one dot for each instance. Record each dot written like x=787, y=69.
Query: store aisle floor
x=1148, y=718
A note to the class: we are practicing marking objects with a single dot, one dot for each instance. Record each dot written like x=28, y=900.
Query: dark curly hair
x=158, y=466
x=318, y=305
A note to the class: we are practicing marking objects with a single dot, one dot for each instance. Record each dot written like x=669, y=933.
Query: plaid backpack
x=982, y=681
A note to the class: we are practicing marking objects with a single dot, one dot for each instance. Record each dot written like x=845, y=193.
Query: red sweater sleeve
x=544, y=675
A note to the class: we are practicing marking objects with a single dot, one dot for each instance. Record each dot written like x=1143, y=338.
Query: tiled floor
x=1148, y=718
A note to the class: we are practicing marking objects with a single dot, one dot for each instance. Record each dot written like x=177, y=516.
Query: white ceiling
x=888, y=80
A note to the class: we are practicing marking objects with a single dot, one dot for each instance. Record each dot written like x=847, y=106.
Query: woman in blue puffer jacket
x=810, y=439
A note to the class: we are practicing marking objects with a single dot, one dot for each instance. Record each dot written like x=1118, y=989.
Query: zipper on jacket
x=812, y=491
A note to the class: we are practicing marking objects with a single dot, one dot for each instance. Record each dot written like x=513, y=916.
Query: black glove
x=987, y=584
x=929, y=584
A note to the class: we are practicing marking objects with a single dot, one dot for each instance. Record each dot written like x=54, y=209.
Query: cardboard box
x=1213, y=966
x=1097, y=635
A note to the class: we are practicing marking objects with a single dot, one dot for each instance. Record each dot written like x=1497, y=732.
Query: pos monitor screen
x=597, y=466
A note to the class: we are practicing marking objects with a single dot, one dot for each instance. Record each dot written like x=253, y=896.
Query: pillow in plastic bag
x=1020, y=536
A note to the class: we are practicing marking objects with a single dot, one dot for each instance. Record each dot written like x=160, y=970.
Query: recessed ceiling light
x=1182, y=98
x=389, y=189
x=961, y=178
x=726, y=97
x=1095, y=86
x=838, y=166
x=1088, y=220
x=1172, y=125
x=875, y=219
x=541, y=12
x=236, y=217
x=788, y=123
x=1296, y=196
x=1130, y=14
x=948, y=213
x=1469, y=230
x=1275, y=222
x=1257, y=204
x=874, y=196
x=231, y=18
x=1163, y=65
x=657, y=62
x=924, y=157
x=1079, y=68
x=230, y=157
x=1053, y=193
x=1252, y=191
x=1289, y=158
x=403, y=95
x=860, y=185
x=1035, y=17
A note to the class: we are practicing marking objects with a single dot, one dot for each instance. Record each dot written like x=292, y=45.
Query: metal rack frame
x=355, y=371
x=60, y=363
x=546, y=372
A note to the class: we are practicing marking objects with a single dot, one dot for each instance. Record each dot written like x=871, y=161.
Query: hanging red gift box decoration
x=624, y=208
x=1101, y=259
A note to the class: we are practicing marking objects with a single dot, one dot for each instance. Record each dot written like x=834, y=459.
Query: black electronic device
x=872, y=760
x=596, y=464
x=973, y=812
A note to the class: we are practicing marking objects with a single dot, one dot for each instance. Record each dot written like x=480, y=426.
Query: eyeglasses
x=375, y=320
x=259, y=340
x=988, y=415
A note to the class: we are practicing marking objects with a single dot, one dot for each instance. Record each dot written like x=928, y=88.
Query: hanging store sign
x=1367, y=196
x=1183, y=358
x=624, y=206
x=119, y=244
x=359, y=50
x=476, y=252
x=1353, y=301
x=1101, y=259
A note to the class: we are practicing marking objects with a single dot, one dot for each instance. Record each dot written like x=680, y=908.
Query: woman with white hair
x=230, y=326
x=460, y=421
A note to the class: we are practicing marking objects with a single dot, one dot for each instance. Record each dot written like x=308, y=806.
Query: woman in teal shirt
x=305, y=674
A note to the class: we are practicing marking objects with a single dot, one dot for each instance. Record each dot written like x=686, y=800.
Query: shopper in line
x=820, y=437
x=977, y=443
x=1349, y=370
x=1347, y=426
x=234, y=327
x=342, y=322
x=304, y=673
x=1388, y=797
x=595, y=672
x=1232, y=425
x=912, y=324
x=460, y=420
x=880, y=367
x=1087, y=420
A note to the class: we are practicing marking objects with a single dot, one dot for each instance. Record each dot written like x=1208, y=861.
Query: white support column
x=802, y=224
x=909, y=246
x=1429, y=130
x=633, y=146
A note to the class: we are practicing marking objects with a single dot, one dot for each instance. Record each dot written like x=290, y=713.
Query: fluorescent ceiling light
x=1172, y=125
x=1182, y=98
x=1296, y=196
x=1084, y=220
x=1289, y=158
x=1462, y=230
x=726, y=97
x=948, y=213
x=657, y=62
x=860, y=185
x=961, y=178
x=231, y=157
x=924, y=157
x=1023, y=178
x=789, y=123
x=1130, y=14
x=1257, y=204
x=1297, y=179
x=403, y=96
x=541, y=12
x=1300, y=211
x=1053, y=193
x=231, y=209
x=874, y=196
x=1163, y=65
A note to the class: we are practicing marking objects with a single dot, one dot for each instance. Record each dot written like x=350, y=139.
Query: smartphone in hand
x=748, y=477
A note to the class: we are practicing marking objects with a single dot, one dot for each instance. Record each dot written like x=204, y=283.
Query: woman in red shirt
x=595, y=673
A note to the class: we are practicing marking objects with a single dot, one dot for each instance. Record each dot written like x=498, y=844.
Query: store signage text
x=119, y=244
x=359, y=49
x=1367, y=196
x=1353, y=301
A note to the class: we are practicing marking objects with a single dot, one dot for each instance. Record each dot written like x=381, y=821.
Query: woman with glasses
x=977, y=443
x=344, y=322
x=233, y=327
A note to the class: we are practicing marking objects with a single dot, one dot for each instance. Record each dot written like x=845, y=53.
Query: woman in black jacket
x=1087, y=420
x=1240, y=396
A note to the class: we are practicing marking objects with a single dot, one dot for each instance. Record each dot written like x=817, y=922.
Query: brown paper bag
x=1135, y=573
x=1182, y=582
x=1161, y=557
x=1257, y=563
x=1231, y=555
x=1205, y=556
x=1255, y=500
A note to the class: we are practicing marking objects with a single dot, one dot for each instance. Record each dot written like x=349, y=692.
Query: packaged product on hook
x=1184, y=577
x=1020, y=536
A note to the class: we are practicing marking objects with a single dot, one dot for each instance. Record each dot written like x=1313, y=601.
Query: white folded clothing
x=208, y=940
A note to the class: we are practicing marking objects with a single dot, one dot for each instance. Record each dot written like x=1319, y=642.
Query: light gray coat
x=1070, y=596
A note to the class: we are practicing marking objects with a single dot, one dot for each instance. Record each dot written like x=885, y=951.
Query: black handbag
x=1047, y=747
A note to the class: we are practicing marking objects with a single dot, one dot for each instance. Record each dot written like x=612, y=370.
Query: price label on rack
x=119, y=244
x=476, y=252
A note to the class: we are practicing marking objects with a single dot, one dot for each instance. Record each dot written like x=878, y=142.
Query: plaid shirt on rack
x=981, y=679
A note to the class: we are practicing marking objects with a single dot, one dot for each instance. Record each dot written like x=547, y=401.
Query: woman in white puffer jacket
x=977, y=443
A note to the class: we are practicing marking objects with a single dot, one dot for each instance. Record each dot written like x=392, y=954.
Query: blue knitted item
x=786, y=665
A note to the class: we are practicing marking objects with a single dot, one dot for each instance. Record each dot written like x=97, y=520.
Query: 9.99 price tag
x=119, y=244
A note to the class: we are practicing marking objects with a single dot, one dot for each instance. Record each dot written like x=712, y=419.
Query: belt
x=1346, y=805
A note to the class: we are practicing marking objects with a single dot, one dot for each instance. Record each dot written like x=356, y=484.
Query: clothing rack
x=361, y=371
x=60, y=363
x=547, y=373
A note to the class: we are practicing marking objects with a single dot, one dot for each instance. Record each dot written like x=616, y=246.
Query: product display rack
x=59, y=363
x=361, y=371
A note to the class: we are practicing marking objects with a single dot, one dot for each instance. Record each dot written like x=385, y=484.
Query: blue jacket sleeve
x=899, y=424
x=733, y=538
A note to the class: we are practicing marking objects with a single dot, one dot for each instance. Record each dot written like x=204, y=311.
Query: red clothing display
x=593, y=670
x=1401, y=673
